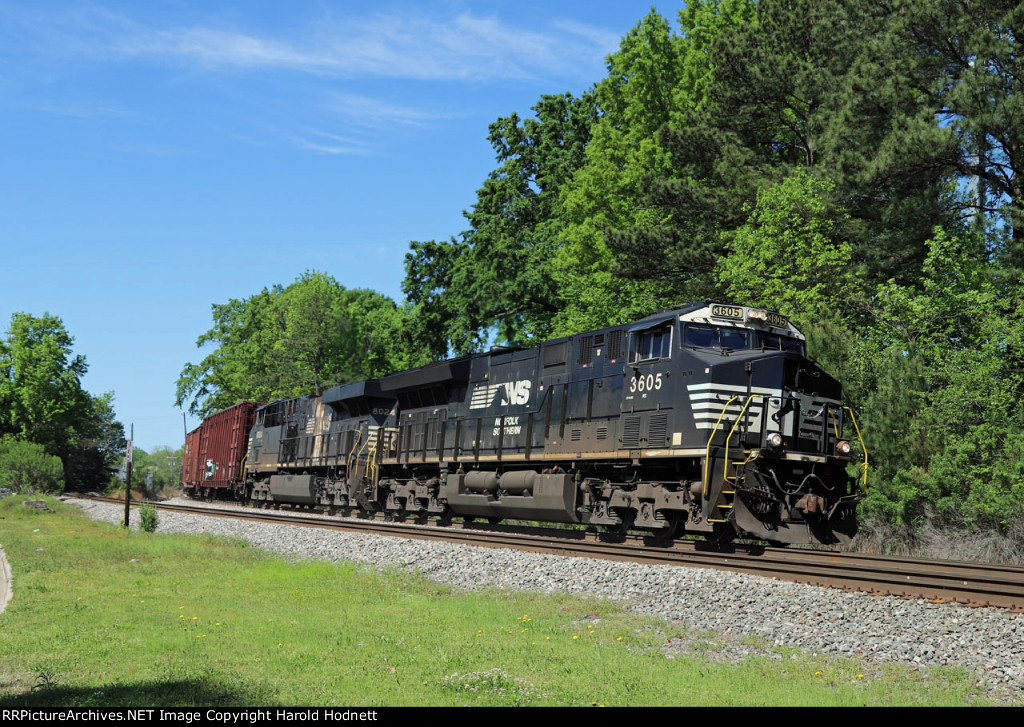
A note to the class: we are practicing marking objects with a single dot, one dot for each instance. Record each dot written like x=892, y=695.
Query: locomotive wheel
x=676, y=526
x=628, y=516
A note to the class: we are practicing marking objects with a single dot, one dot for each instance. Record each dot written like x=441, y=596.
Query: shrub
x=27, y=468
x=149, y=518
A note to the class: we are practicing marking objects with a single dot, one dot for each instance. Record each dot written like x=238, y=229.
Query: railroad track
x=973, y=584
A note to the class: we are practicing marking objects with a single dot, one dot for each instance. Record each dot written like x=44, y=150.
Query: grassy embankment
x=106, y=617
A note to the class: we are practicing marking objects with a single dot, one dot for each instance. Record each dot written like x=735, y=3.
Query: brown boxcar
x=215, y=451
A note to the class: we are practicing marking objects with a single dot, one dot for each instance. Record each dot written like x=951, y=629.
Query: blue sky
x=160, y=157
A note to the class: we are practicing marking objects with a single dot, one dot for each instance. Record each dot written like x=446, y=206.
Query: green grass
x=106, y=617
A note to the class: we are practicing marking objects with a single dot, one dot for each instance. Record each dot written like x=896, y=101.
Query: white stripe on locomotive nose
x=726, y=395
x=701, y=412
x=731, y=389
x=707, y=401
x=721, y=400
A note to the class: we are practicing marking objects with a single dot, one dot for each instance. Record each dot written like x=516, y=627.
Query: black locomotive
x=705, y=418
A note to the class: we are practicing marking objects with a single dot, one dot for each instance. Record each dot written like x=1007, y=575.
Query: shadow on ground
x=178, y=693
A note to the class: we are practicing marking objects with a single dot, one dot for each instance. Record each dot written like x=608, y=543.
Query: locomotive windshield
x=706, y=336
x=703, y=336
x=774, y=342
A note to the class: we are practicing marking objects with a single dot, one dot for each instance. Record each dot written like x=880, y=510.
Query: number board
x=727, y=311
x=777, y=321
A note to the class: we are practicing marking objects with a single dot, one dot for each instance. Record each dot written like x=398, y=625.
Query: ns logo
x=515, y=393
x=512, y=393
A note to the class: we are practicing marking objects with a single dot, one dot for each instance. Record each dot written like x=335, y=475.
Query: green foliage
x=605, y=194
x=496, y=279
x=148, y=517
x=803, y=85
x=40, y=391
x=156, y=470
x=94, y=449
x=968, y=59
x=42, y=401
x=788, y=256
x=625, y=253
x=27, y=468
x=293, y=341
x=957, y=323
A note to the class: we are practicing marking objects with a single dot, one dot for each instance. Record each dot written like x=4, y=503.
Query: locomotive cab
x=775, y=465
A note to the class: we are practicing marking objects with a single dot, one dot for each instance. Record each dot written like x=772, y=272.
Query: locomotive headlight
x=774, y=440
x=843, y=448
x=757, y=315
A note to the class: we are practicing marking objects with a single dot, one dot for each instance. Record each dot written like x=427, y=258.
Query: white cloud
x=219, y=48
x=408, y=46
x=370, y=111
x=328, y=143
x=599, y=37
x=360, y=52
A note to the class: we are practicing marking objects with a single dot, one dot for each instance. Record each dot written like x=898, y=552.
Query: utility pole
x=128, y=474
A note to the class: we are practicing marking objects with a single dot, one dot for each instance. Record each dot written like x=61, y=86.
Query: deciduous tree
x=42, y=400
x=292, y=341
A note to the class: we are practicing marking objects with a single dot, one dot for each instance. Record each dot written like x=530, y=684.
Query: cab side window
x=651, y=344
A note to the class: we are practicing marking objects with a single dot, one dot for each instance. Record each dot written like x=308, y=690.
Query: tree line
x=53, y=433
x=852, y=164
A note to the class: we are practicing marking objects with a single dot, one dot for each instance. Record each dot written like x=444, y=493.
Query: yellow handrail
x=733, y=430
x=835, y=424
x=352, y=452
x=376, y=451
x=707, y=455
x=863, y=448
x=371, y=458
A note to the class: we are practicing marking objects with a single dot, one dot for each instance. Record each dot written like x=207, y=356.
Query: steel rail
x=975, y=584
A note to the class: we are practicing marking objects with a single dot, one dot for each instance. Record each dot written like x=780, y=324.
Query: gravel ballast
x=987, y=641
